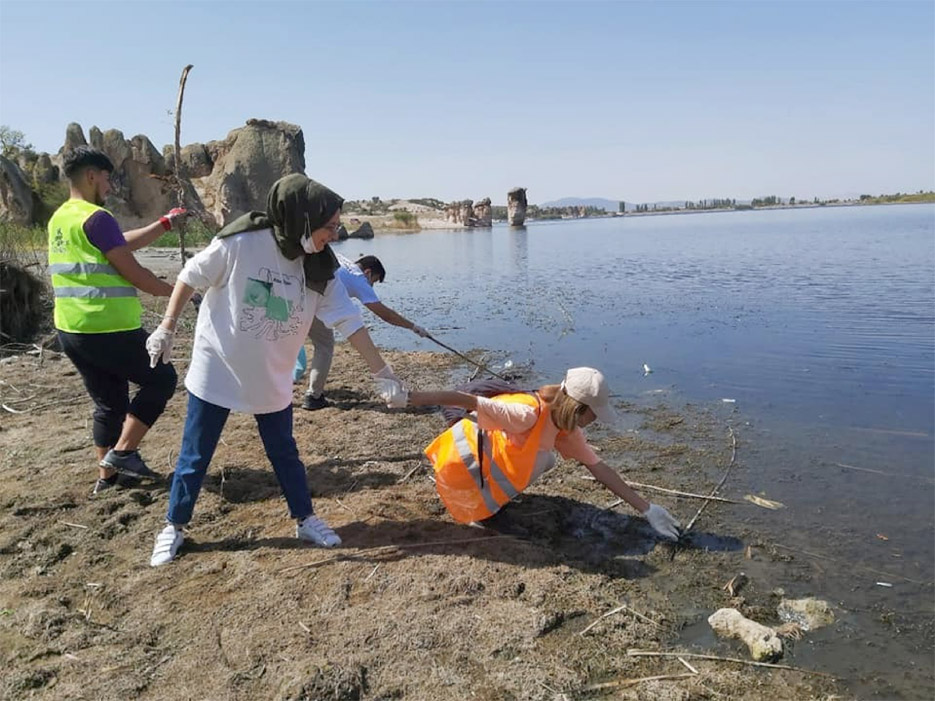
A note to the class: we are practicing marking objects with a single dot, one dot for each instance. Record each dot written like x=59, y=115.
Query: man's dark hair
x=373, y=264
x=82, y=157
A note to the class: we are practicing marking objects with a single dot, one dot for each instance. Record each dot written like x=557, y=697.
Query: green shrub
x=196, y=234
x=18, y=241
x=403, y=219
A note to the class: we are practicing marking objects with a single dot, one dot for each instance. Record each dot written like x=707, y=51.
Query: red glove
x=171, y=216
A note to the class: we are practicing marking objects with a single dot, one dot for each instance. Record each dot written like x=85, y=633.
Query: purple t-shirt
x=103, y=231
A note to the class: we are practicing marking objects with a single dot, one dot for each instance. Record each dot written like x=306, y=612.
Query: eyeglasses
x=333, y=228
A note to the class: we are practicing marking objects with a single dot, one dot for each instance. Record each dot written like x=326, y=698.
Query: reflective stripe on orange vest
x=477, y=472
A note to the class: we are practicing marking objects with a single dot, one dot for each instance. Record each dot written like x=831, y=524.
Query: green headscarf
x=296, y=205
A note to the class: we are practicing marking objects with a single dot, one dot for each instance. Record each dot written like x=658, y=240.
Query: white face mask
x=308, y=245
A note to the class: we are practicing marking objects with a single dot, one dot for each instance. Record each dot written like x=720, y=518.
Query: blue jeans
x=203, y=424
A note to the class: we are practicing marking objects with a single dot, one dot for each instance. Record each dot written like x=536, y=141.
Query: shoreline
x=555, y=562
x=378, y=222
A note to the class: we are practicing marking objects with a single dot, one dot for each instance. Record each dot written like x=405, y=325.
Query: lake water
x=818, y=323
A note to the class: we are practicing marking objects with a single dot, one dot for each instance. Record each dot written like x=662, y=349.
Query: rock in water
x=809, y=613
x=763, y=642
x=516, y=206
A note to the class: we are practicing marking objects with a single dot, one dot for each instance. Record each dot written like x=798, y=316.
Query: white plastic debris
x=729, y=401
x=884, y=584
x=646, y=369
x=508, y=364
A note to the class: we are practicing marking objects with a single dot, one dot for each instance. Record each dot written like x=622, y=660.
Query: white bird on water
x=646, y=369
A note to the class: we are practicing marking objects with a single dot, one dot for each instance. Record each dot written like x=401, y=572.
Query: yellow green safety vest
x=90, y=295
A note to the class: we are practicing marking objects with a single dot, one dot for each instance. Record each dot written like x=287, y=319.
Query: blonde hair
x=565, y=410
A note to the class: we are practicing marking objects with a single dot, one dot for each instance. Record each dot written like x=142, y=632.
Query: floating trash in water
x=765, y=503
x=729, y=401
x=884, y=584
x=646, y=369
x=508, y=364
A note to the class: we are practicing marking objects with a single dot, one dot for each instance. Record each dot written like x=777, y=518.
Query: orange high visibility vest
x=477, y=472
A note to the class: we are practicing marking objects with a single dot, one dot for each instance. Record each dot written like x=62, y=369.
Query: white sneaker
x=314, y=530
x=167, y=545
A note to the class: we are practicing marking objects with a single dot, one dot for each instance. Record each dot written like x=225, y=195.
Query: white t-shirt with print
x=254, y=318
x=354, y=280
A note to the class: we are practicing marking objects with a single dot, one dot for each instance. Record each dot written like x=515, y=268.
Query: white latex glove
x=386, y=373
x=664, y=523
x=390, y=388
x=159, y=345
x=393, y=393
x=418, y=330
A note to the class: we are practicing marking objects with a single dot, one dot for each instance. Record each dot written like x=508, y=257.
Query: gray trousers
x=322, y=339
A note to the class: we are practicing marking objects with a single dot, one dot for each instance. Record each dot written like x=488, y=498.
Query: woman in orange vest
x=486, y=459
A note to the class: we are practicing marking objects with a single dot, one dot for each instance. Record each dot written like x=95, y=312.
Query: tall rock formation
x=220, y=180
x=243, y=166
x=16, y=198
x=482, y=214
x=516, y=206
x=460, y=212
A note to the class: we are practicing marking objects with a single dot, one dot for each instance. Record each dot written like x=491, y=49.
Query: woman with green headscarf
x=267, y=274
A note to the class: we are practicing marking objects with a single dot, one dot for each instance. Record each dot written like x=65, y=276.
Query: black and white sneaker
x=130, y=464
x=103, y=484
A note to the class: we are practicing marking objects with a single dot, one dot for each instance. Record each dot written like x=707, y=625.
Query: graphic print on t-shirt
x=273, y=304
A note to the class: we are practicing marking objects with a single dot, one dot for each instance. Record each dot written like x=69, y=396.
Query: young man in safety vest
x=358, y=280
x=95, y=278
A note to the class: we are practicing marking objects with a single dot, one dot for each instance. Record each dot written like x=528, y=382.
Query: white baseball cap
x=589, y=387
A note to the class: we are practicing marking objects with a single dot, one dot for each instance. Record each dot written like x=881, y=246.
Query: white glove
x=393, y=393
x=418, y=330
x=159, y=345
x=386, y=373
x=390, y=388
x=664, y=523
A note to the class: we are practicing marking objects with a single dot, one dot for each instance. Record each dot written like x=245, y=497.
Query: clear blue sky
x=624, y=100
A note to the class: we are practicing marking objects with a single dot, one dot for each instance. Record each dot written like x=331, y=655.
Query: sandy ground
x=412, y=606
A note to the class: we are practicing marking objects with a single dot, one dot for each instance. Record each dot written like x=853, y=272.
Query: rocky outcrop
x=516, y=206
x=244, y=166
x=364, y=232
x=342, y=233
x=141, y=192
x=466, y=213
x=16, y=197
x=459, y=212
x=220, y=180
x=482, y=214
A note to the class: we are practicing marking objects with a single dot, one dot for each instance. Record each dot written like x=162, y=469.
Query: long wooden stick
x=730, y=465
x=179, y=186
x=378, y=548
x=665, y=490
x=632, y=682
x=752, y=663
x=623, y=607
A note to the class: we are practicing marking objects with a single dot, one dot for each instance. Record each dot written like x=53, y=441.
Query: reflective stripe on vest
x=496, y=472
x=473, y=467
x=82, y=269
x=463, y=456
x=95, y=292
